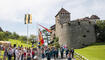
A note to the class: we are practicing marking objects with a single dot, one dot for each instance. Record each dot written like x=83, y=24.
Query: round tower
x=62, y=18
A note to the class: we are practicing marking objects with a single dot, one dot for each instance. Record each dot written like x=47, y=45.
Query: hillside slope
x=93, y=52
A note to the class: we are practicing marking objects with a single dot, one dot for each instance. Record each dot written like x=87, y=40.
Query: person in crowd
x=25, y=51
x=56, y=52
x=69, y=55
x=33, y=53
x=5, y=53
x=61, y=51
x=67, y=50
x=9, y=53
x=22, y=56
x=17, y=53
x=72, y=52
x=20, y=53
x=29, y=54
x=48, y=54
x=43, y=54
x=14, y=51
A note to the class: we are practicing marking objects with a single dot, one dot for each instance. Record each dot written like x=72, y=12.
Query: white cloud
x=44, y=11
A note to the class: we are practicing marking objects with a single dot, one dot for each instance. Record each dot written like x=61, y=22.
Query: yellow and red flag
x=41, y=40
x=45, y=28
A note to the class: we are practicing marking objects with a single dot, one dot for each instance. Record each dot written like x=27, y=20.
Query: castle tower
x=62, y=17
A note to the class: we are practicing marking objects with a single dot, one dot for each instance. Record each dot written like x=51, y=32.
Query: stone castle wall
x=77, y=34
x=74, y=34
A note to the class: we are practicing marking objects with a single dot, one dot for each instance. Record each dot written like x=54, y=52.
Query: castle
x=76, y=33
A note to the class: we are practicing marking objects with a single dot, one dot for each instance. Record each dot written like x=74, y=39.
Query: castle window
x=78, y=23
x=69, y=24
x=89, y=22
x=84, y=36
x=88, y=31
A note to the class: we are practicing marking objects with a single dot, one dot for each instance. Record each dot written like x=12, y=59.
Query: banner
x=28, y=18
x=41, y=40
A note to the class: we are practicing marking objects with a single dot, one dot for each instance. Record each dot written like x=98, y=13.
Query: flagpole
x=27, y=35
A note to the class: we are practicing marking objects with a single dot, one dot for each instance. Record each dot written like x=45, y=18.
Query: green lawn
x=93, y=52
x=19, y=43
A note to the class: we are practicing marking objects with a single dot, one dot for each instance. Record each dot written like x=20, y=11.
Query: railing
x=80, y=56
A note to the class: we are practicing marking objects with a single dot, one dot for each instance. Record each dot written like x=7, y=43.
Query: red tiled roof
x=63, y=11
x=94, y=17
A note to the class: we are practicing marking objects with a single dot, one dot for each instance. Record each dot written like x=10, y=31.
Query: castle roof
x=52, y=27
x=62, y=11
x=94, y=17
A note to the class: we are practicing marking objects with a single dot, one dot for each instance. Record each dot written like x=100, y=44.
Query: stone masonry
x=76, y=33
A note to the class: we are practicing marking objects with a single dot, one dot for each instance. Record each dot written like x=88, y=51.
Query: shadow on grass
x=94, y=44
x=100, y=43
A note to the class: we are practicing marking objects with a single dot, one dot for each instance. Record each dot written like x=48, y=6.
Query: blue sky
x=43, y=12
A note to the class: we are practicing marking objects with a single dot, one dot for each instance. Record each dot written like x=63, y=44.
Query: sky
x=43, y=12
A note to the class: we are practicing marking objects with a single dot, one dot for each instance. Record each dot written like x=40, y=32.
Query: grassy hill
x=93, y=52
x=19, y=43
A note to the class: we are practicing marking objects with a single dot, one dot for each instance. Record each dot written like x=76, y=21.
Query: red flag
x=45, y=28
x=41, y=40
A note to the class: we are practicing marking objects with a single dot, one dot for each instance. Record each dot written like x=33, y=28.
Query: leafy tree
x=100, y=30
x=32, y=37
x=3, y=36
x=7, y=34
x=23, y=38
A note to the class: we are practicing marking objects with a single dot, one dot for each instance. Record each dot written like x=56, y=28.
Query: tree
x=14, y=35
x=23, y=38
x=32, y=39
x=100, y=30
x=7, y=34
x=3, y=36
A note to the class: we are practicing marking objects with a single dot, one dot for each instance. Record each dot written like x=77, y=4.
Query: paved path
x=58, y=59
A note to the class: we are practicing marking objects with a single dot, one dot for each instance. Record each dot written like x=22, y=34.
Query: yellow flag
x=26, y=18
x=30, y=18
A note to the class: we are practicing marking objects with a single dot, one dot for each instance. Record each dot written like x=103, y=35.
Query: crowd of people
x=23, y=53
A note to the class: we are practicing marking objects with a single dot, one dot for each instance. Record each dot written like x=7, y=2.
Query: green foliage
x=23, y=39
x=55, y=43
x=14, y=35
x=32, y=37
x=3, y=36
x=93, y=52
x=100, y=30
